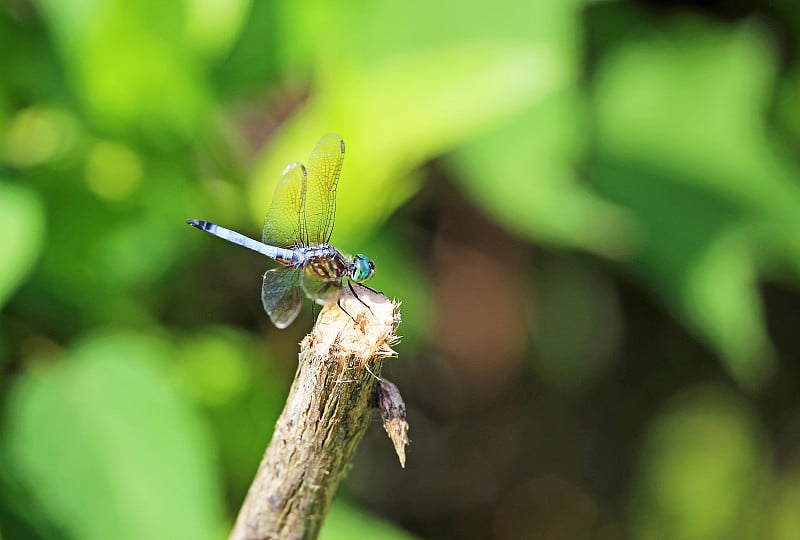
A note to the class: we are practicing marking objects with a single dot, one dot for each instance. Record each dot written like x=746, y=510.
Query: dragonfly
x=297, y=232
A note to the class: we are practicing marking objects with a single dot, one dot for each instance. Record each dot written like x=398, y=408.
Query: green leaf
x=213, y=25
x=431, y=96
x=691, y=100
x=523, y=175
x=109, y=449
x=683, y=145
x=132, y=65
x=400, y=99
x=694, y=253
x=21, y=235
x=344, y=522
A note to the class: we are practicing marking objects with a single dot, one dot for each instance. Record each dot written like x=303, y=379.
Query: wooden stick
x=325, y=416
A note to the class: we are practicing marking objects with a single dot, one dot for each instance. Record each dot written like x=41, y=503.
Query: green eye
x=363, y=268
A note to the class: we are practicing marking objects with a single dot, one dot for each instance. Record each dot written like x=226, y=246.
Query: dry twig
x=325, y=416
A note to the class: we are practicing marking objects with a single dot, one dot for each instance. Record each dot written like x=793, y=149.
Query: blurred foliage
x=22, y=223
x=701, y=470
x=156, y=481
x=590, y=211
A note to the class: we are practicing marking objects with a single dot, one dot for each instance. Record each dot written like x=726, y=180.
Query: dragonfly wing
x=321, y=291
x=283, y=226
x=323, y=166
x=281, y=295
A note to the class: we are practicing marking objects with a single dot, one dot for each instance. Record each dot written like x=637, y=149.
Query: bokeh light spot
x=38, y=135
x=113, y=170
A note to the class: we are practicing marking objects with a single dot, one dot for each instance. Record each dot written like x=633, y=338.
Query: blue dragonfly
x=297, y=231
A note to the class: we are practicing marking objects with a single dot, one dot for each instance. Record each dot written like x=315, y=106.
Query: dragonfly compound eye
x=363, y=268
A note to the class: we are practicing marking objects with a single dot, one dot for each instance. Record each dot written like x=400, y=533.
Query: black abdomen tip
x=199, y=223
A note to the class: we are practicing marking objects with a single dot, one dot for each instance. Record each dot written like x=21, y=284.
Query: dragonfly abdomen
x=283, y=255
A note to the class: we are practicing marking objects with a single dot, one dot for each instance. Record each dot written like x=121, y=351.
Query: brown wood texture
x=326, y=414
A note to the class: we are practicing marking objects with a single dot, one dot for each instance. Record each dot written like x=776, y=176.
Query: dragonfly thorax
x=323, y=261
x=305, y=253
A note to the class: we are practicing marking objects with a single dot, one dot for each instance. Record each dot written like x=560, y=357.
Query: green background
x=589, y=210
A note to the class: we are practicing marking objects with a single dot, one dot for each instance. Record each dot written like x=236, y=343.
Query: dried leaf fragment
x=393, y=413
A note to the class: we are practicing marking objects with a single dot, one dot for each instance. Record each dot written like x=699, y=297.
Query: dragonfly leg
x=352, y=290
x=329, y=286
x=339, y=303
x=368, y=287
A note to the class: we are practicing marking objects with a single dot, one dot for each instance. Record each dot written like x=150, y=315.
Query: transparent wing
x=282, y=226
x=319, y=290
x=281, y=295
x=323, y=166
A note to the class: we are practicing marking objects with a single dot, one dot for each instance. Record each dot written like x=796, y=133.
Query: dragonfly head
x=361, y=269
